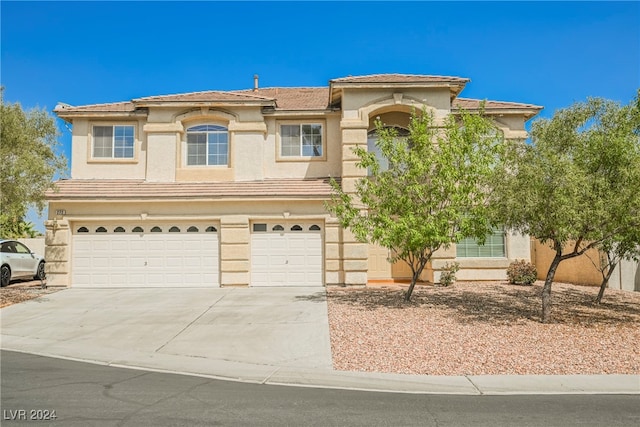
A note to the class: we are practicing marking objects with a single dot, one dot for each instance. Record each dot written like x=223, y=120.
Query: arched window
x=192, y=229
x=278, y=228
x=372, y=144
x=83, y=230
x=156, y=229
x=211, y=229
x=207, y=145
x=118, y=230
x=174, y=229
x=138, y=230
x=101, y=230
x=314, y=228
x=296, y=228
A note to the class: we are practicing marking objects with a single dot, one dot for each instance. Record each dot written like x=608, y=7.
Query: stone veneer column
x=56, y=252
x=235, y=251
x=354, y=254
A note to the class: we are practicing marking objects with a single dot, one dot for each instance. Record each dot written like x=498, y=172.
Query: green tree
x=575, y=186
x=28, y=163
x=612, y=251
x=432, y=194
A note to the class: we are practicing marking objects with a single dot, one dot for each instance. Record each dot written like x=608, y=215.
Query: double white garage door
x=187, y=255
x=156, y=256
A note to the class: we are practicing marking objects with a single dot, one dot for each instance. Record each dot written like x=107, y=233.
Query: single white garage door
x=287, y=254
x=157, y=255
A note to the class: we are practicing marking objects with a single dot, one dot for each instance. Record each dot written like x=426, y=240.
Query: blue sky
x=546, y=53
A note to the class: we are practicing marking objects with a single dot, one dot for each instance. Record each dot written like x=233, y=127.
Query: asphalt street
x=84, y=394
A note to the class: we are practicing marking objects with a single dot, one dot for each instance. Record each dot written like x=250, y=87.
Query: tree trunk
x=605, y=282
x=546, y=290
x=414, y=279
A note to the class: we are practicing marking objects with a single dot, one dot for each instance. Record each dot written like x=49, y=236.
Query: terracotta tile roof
x=205, y=96
x=475, y=103
x=89, y=189
x=399, y=78
x=287, y=98
x=295, y=98
x=283, y=98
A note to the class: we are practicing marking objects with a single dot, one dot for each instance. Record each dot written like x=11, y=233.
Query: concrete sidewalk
x=262, y=335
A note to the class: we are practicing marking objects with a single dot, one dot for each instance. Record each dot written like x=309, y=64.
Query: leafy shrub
x=448, y=275
x=522, y=272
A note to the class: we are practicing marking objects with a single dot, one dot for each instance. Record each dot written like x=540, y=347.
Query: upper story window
x=372, y=145
x=207, y=145
x=301, y=140
x=113, y=142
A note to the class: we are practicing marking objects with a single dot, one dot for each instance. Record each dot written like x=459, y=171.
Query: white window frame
x=463, y=247
x=112, y=156
x=192, y=130
x=299, y=155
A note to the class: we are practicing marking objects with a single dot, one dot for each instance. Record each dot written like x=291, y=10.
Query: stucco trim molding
x=198, y=114
x=163, y=127
x=393, y=102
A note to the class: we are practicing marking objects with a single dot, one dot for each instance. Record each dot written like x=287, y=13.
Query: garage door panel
x=145, y=259
x=137, y=245
x=191, y=263
x=286, y=258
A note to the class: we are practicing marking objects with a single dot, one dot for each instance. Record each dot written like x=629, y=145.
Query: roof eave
x=101, y=114
x=527, y=112
x=203, y=198
x=455, y=86
x=279, y=112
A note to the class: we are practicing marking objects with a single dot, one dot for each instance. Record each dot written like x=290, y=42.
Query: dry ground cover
x=484, y=329
x=22, y=291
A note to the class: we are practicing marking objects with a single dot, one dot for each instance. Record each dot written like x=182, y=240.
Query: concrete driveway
x=259, y=335
x=243, y=329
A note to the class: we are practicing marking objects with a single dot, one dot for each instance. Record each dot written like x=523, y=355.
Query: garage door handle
x=145, y=263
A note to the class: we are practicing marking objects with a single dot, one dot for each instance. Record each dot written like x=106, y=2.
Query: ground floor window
x=494, y=246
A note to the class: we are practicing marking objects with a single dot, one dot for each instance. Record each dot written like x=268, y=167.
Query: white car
x=19, y=262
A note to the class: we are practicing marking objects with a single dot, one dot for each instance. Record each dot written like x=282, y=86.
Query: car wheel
x=40, y=274
x=5, y=275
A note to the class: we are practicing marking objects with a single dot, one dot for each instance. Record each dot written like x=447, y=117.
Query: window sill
x=300, y=159
x=483, y=262
x=111, y=161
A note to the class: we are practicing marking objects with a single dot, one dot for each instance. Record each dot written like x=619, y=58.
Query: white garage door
x=161, y=255
x=287, y=254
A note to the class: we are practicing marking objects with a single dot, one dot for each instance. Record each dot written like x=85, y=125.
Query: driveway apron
x=270, y=327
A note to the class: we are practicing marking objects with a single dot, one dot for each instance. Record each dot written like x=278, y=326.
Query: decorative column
x=235, y=251
x=334, y=274
x=56, y=252
x=355, y=254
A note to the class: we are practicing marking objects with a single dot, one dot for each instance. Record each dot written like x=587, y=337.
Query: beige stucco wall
x=581, y=270
x=83, y=166
x=356, y=102
x=160, y=149
x=35, y=244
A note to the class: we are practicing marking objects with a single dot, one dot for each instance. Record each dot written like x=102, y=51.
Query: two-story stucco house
x=225, y=188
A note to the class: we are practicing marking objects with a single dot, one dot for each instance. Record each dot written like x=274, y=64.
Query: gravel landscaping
x=20, y=291
x=470, y=329
x=484, y=329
